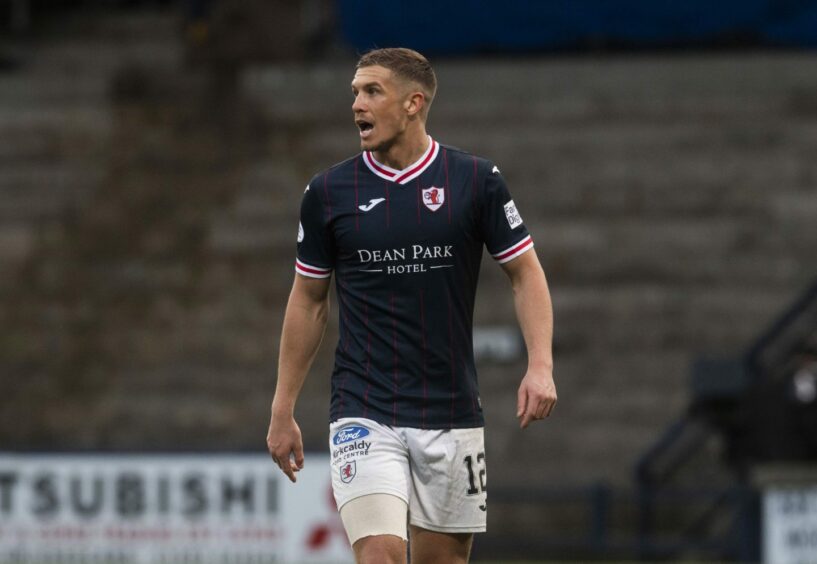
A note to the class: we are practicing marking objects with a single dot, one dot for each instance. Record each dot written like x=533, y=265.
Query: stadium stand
x=148, y=208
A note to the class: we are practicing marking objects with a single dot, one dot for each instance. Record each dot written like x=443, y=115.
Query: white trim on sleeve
x=514, y=250
x=311, y=271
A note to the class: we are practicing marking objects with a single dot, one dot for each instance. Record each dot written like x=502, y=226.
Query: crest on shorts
x=433, y=197
x=348, y=471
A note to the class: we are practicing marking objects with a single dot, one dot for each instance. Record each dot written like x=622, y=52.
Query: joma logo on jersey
x=417, y=252
x=347, y=434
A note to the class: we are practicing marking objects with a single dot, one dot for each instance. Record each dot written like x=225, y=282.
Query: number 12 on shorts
x=472, y=476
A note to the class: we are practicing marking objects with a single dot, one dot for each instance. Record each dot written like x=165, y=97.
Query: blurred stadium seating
x=152, y=156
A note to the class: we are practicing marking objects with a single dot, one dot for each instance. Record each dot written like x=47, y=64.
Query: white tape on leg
x=375, y=514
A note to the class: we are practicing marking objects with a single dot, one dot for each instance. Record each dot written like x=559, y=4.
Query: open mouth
x=364, y=126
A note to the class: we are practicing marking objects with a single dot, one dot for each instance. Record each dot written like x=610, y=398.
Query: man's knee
x=380, y=549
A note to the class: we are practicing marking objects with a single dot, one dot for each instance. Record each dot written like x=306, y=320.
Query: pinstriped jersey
x=405, y=248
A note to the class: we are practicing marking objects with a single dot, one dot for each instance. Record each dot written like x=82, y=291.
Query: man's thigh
x=376, y=527
x=373, y=515
x=432, y=547
x=448, y=479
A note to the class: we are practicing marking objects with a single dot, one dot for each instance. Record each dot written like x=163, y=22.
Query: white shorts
x=440, y=474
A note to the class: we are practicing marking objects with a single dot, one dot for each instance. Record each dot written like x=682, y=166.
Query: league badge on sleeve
x=433, y=197
x=514, y=219
x=300, y=232
x=348, y=471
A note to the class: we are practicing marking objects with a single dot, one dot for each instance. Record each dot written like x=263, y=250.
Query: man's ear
x=415, y=102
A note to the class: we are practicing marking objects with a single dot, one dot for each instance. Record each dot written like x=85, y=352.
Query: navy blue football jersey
x=405, y=247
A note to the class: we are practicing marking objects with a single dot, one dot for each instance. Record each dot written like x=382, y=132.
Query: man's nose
x=357, y=105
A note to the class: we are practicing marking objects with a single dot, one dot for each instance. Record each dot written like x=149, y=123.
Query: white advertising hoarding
x=790, y=525
x=140, y=508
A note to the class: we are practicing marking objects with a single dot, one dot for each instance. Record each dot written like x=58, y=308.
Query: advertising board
x=140, y=508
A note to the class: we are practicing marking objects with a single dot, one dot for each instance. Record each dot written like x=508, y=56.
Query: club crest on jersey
x=433, y=197
x=348, y=471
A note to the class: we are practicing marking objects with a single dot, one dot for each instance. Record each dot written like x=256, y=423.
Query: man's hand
x=536, y=397
x=284, y=443
x=531, y=298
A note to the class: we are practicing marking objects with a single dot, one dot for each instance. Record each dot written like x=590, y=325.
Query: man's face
x=380, y=107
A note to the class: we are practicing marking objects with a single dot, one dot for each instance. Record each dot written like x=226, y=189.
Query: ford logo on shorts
x=347, y=434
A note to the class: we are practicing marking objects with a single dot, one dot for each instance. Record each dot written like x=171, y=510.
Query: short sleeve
x=504, y=233
x=315, y=256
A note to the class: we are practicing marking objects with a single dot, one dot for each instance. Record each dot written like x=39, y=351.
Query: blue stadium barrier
x=462, y=26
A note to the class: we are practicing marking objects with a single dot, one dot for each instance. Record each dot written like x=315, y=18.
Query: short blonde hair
x=405, y=63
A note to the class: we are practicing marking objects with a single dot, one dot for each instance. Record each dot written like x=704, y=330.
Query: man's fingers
x=521, y=401
x=545, y=407
x=535, y=400
x=550, y=405
x=526, y=419
x=537, y=407
x=287, y=467
x=293, y=469
x=535, y=410
x=299, y=455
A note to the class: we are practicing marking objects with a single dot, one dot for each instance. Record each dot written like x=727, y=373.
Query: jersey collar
x=410, y=172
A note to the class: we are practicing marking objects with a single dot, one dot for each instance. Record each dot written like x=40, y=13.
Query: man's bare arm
x=537, y=392
x=304, y=326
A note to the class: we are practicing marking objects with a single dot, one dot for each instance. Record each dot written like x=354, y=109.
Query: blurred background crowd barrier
x=152, y=159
